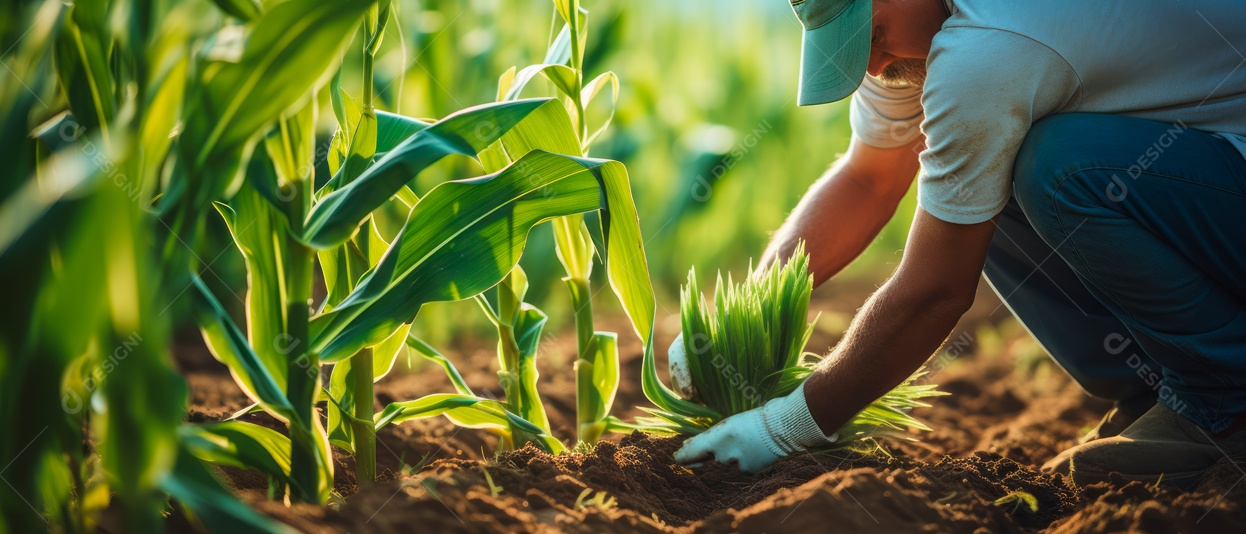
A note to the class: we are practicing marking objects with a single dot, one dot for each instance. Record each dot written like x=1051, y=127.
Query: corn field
x=145, y=135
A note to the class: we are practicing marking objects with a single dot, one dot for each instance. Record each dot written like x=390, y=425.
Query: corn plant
x=267, y=97
x=596, y=364
x=749, y=349
x=87, y=346
x=565, y=130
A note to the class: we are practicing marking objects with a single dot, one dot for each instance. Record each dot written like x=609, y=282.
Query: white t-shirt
x=998, y=66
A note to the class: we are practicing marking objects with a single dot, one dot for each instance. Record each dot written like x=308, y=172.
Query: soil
x=1009, y=410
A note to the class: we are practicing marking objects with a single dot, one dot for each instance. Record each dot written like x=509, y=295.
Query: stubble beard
x=904, y=73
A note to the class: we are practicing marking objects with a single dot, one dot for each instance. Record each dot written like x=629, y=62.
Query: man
x=1090, y=157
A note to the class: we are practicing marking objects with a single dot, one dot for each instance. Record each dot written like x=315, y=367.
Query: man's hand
x=759, y=437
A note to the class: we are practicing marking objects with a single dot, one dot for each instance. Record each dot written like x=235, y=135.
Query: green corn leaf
x=341, y=405
x=193, y=485
x=549, y=129
x=375, y=24
x=361, y=149
x=468, y=132
x=462, y=238
x=626, y=265
x=239, y=444
x=561, y=76
x=230, y=346
x=164, y=106
x=385, y=354
x=511, y=293
x=424, y=349
x=529, y=323
x=591, y=89
x=82, y=65
x=505, y=81
x=253, y=221
x=597, y=381
x=246, y=10
x=283, y=61
x=564, y=8
x=291, y=146
x=392, y=129
x=342, y=266
x=466, y=411
x=559, y=51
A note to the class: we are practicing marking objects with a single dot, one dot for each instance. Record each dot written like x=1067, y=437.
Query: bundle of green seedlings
x=749, y=349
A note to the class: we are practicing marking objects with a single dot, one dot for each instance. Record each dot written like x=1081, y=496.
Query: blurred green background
x=707, y=124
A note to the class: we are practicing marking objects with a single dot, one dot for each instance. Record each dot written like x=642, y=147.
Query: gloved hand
x=759, y=437
x=677, y=364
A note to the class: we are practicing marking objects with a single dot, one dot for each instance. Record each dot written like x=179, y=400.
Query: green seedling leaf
x=1016, y=500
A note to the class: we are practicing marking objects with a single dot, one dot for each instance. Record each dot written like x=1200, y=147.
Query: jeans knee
x=1047, y=157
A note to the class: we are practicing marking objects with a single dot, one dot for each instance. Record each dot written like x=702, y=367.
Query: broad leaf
x=424, y=349
x=283, y=61
x=82, y=65
x=243, y=9
x=466, y=411
x=459, y=240
x=239, y=444
x=230, y=346
x=338, y=214
x=193, y=485
x=561, y=75
x=253, y=221
x=591, y=89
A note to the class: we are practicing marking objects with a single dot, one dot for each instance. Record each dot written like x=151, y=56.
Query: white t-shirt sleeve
x=984, y=89
x=885, y=117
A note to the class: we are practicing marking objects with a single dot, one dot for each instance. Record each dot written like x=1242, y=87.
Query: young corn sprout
x=749, y=348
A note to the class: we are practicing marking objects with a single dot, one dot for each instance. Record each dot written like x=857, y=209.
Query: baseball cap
x=835, y=51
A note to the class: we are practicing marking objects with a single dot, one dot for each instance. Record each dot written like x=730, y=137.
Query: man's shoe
x=1160, y=446
x=1112, y=424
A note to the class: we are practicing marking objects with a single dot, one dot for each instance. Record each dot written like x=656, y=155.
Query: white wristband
x=791, y=425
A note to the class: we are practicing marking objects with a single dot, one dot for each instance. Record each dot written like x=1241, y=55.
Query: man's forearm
x=844, y=211
x=904, y=322
x=893, y=334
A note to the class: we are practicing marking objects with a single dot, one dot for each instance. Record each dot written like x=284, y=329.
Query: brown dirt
x=1010, y=410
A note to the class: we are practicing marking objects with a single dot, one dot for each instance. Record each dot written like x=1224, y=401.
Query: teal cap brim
x=835, y=56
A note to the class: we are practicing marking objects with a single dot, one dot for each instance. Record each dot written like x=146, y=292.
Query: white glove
x=677, y=362
x=759, y=437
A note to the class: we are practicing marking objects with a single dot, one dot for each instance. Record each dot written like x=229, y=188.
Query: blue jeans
x=1123, y=251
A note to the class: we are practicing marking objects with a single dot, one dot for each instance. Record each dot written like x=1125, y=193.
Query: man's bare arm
x=845, y=209
x=906, y=321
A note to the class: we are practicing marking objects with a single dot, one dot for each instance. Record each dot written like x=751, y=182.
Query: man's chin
x=903, y=73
